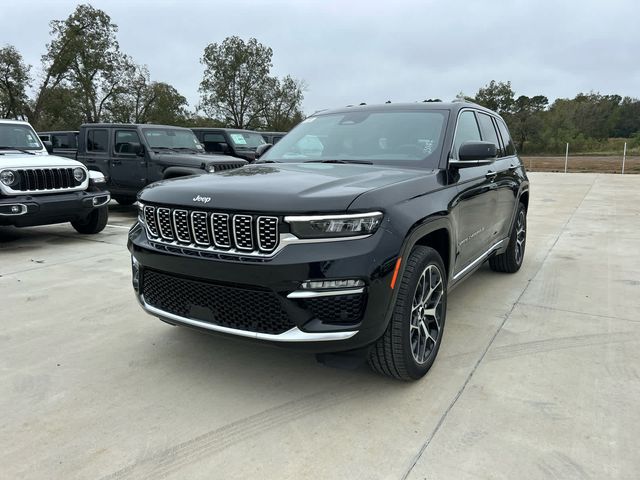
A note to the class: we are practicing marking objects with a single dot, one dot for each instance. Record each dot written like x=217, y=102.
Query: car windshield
x=171, y=138
x=246, y=140
x=384, y=137
x=19, y=136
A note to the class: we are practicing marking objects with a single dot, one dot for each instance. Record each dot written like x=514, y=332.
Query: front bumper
x=33, y=210
x=318, y=322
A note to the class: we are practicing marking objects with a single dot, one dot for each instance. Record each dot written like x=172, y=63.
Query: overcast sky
x=353, y=51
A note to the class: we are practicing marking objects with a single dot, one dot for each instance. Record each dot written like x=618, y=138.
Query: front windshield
x=246, y=140
x=171, y=138
x=387, y=137
x=18, y=136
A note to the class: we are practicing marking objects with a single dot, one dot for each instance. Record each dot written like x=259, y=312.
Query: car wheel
x=511, y=260
x=125, y=200
x=94, y=223
x=410, y=344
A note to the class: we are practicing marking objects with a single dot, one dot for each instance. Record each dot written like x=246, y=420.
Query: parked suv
x=230, y=141
x=132, y=156
x=347, y=249
x=272, y=137
x=41, y=189
x=62, y=143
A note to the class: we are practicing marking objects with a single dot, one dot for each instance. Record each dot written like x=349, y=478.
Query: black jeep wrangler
x=344, y=238
x=230, y=141
x=132, y=156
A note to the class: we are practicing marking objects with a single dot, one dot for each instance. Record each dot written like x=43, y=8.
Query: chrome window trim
x=325, y=293
x=292, y=335
x=235, y=236
x=260, y=247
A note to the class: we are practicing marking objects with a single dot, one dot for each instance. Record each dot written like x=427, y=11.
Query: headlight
x=210, y=168
x=79, y=174
x=329, y=226
x=9, y=177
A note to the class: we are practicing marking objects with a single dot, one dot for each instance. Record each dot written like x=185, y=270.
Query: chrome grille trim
x=243, y=232
x=220, y=230
x=214, y=232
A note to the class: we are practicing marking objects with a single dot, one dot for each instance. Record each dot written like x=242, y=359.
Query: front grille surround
x=36, y=180
x=240, y=234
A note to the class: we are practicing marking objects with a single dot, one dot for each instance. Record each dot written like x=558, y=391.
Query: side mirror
x=48, y=146
x=262, y=149
x=138, y=149
x=473, y=154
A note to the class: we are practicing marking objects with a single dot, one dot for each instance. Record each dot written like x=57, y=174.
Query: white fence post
x=566, y=158
x=624, y=157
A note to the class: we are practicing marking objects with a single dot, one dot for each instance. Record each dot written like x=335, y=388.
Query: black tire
x=393, y=354
x=124, y=200
x=94, y=223
x=511, y=260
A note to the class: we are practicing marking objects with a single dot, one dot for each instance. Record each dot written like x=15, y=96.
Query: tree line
x=84, y=76
x=589, y=122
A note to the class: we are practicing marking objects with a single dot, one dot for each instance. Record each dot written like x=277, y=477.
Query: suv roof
x=8, y=120
x=225, y=129
x=451, y=106
x=129, y=125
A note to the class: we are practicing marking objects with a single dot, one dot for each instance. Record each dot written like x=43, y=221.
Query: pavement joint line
x=426, y=444
x=598, y=315
x=47, y=265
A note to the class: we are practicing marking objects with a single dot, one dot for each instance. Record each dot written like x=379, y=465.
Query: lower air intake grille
x=242, y=309
x=337, y=309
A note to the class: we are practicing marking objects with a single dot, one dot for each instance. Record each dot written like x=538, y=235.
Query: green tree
x=496, y=96
x=236, y=87
x=84, y=56
x=526, y=121
x=14, y=81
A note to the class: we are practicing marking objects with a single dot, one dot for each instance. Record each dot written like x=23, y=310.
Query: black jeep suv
x=344, y=238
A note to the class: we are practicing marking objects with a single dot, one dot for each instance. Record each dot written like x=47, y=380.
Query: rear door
x=475, y=204
x=128, y=168
x=507, y=182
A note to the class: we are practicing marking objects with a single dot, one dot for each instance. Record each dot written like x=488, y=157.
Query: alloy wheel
x=426, y=314
x=521, y=235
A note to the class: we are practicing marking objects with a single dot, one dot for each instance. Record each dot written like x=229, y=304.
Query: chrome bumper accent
x=23, y=210
x=481, y=258
x=324, y=293
x=293, y=335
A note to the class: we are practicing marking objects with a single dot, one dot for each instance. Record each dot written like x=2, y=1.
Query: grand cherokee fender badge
x=198, y=198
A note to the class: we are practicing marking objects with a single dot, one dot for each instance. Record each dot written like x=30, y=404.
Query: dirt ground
x=597, y=164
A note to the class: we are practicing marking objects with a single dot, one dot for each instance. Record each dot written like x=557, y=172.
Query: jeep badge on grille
x=198, y=198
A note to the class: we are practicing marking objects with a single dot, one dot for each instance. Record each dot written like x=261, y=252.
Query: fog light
x=329, y=284
x=16, y=209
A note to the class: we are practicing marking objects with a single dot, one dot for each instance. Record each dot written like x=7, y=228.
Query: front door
x=128, y=165
x=474, y=207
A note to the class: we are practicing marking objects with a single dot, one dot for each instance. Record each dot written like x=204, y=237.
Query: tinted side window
x=214, y=137
x=63, y=140
x=124, y=141
x=509, y=148
x=488, y=131
x=97, y=140
x=466, y=131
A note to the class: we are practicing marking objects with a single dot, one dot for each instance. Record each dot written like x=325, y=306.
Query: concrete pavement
x=538, y=375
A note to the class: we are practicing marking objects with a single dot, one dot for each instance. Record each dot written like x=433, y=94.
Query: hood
x=24, y=160
x=194, y=159
x=277, y=188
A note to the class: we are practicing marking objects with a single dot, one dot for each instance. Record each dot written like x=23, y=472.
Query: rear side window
x=488, y=131
x=466, y=131
x=64, y=140
x=97, y=140
x=509, y=148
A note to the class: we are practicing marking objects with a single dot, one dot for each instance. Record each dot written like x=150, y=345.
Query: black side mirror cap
x=473, y=154
x=48, y=146
x=262, y=149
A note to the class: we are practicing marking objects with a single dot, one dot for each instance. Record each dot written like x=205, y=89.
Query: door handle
x=513, y=166
x=90, y=160
x=116, y=162
x=491, y=175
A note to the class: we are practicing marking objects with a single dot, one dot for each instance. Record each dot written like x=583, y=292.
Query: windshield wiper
x=186, y=148
x=266, y=161
x=360, y=162
x=16, y=149
x=163, y=148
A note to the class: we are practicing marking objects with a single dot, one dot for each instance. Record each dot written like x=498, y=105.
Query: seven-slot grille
x=34, y=179
x=220, y=231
